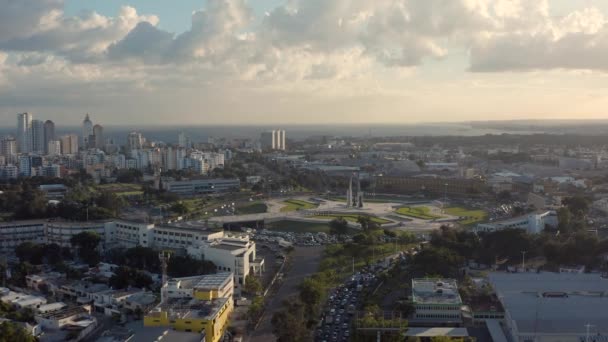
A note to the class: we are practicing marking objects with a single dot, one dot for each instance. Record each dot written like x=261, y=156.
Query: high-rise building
x=184, y=140
x=267, y=140
x=49, y=133
x=24, y=132
x=98, y=134
x=87, y=131
x=280, y=140
x=8, y=147
x=273, y=140
x=54, y=148
x=38, y=136
x=69, y=144
x=135, y=141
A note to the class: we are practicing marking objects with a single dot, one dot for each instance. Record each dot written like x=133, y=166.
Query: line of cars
x=341, y=306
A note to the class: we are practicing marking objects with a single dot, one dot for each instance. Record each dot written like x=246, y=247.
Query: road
x=305, y=262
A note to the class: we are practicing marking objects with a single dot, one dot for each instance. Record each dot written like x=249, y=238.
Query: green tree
x=437, y=261
x=290, y=324
x=11, y=332
x=252, y=285
x=86, y=244
x=577, y=205
x=180, y=266
x=338, y=226
x=128, y=277
x=30, y=252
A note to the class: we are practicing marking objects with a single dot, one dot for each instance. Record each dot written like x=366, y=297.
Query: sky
x=262, y=62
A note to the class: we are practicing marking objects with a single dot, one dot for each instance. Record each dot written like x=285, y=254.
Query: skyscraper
x=8, y=147
x=54, y=148
x=135, y=141
x=69, y=144
x=184, y=140
x=24, y=130
x=49, y=133
x=38, y=136
x=273, y=140
x=98, y=134
x=87, y=131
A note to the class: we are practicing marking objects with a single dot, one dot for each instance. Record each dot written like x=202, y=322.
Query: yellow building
x=201, y=304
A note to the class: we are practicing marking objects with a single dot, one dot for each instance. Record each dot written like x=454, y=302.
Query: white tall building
x=135, y=141
x=87, y=131
x=69, y=144
x=9, y=148
x=38, y=136
x=273, y=140
x=54, y=148
x=24, y=132
x=184, y=140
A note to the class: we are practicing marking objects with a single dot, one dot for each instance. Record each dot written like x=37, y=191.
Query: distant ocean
x=169, y=134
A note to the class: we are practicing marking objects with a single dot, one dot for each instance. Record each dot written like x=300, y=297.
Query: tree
x=11, y=332
x=338, y=226
x=437, y=261
x=252, y=285
x=577, y=205
x=86, y=244
x=179, y=208
x=367, y=224
x=290, y=324
x=180, y=266
x=128, y=277
x=311, y=292
x=504, y=196
x=30, y=252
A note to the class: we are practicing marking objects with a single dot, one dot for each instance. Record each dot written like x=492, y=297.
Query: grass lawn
x=423, y=213
x=468, y=216
x=251, y=208
x=299, y=227
x=294, y=205
x=351, y=218
x=122, y=189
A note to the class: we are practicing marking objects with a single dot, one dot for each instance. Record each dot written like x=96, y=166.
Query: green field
x=351, y=218
x=251, y=208
x=299, y=227
x=122, y=189
x=423, y=213
x=468, y=216
x=294, y=205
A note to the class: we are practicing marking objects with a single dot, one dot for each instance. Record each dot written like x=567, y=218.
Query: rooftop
x=556, y=303
x=191, y=308
x=435, y=291
x=207, y=281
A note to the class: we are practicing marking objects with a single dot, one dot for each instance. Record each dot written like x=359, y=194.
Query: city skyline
x=286, y=62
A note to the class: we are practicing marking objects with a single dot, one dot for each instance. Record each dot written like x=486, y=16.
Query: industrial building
x=547, y=306
x=199, y=304
x=533, y=223
x=436, y=301
x=201, y=186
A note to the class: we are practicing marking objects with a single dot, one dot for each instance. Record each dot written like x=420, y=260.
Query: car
x=345, y=326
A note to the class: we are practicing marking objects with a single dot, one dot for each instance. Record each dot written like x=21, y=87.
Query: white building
x=553, y=307
x=273, y=140
x=202, y=186
x=87, y=131
x=54, y=147
x=533, y=223
x=436, y=301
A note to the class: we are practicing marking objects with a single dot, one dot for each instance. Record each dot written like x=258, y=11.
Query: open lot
x=421, y=212
x=468, y=216
x=122, y=189
x=294, y=205
x=251, y=208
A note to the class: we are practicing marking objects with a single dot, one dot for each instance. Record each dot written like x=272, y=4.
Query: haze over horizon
x=302, y=61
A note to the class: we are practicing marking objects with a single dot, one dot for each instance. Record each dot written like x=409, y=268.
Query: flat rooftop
x=554, y=303
x=207, y=281
x=191, y=308
x=435, y=291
